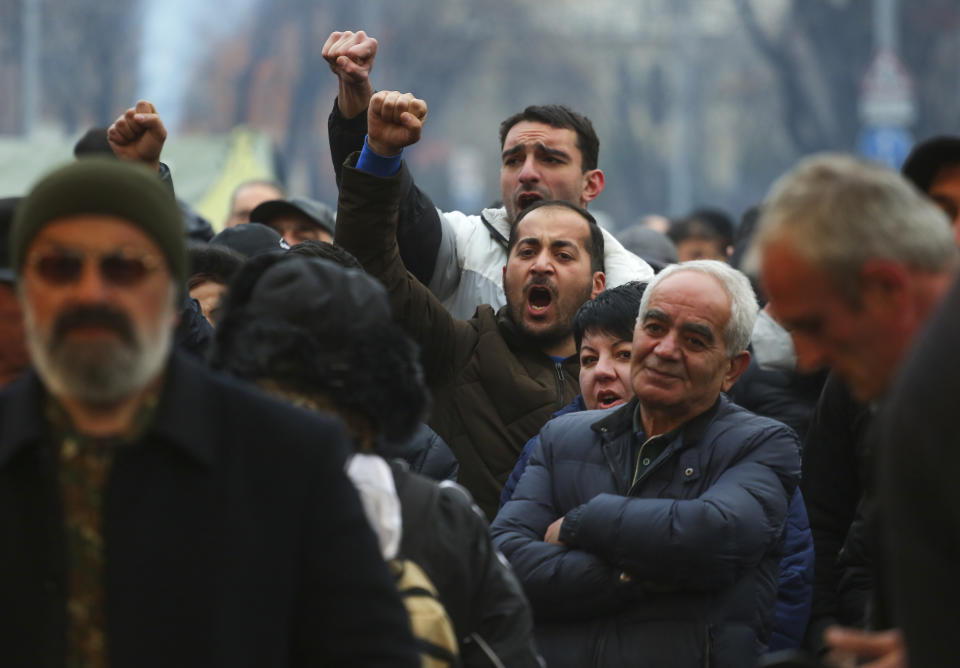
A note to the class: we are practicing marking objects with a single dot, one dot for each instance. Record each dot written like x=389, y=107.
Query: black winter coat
x=232, y=538
x=678, y=570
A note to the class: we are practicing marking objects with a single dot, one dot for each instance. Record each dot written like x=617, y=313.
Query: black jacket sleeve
x=418, y=227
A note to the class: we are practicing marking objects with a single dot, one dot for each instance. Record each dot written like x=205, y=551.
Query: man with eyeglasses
x=154, y=513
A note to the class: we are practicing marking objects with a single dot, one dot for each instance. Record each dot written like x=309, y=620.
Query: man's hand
x=350, y=56
x=848, y=645
x=553, y=533
x=138, y=135
x=394, y=121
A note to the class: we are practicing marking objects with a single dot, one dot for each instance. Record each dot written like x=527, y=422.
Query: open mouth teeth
x=539, y=298
x=527, y=199
x=607, y=399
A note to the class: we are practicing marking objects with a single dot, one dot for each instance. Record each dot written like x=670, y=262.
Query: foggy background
x=696, y=102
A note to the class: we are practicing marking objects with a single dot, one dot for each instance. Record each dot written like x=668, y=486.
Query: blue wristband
x=376, y=164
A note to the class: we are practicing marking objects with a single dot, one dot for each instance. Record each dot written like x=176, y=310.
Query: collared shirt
x=647, y=450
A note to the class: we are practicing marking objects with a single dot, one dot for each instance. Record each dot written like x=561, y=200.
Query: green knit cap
x=105, y=186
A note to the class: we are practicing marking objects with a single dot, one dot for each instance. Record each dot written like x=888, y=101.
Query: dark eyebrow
x=519, y=148
x=656, y=314
x=564, y=243
x=552, y=151
x=700, y=330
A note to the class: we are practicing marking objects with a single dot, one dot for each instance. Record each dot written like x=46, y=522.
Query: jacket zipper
x=559, y=367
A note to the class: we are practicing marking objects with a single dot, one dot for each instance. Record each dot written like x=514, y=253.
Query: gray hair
x=837, y=212
x=743, y=301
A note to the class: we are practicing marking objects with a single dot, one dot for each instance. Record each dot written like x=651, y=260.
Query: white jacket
x=470, y=261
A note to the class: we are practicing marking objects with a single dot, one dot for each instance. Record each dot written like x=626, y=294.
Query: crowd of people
x=383, y=434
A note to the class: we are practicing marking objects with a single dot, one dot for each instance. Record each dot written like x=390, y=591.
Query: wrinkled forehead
x=532, y=133
x=689, y=297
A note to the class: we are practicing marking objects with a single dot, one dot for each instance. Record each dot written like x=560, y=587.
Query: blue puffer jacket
x=795, y=578
x=679, y=569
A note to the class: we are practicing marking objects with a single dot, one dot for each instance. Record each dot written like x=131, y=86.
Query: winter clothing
x=795, y=578
x=232, y=538
x=108, y=187
x=837, y=466
x=251, y=239
x=920, y=503
x=678, y=569
x=316, y=212
x=462, y=256
x=492, y=388
x=446, y=535
x=425, y=453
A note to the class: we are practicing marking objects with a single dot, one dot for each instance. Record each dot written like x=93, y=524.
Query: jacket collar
x=186, y=394
x=620, y=420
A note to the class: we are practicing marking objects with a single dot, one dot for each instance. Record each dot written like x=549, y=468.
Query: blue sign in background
x=887, y=145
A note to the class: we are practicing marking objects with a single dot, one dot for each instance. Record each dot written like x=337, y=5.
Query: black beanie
x=110, y=187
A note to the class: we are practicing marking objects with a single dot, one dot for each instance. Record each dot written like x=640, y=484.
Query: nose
x=667, y=346
x=542, y=263
x=604, y=368
x=90, y=286
x=529, y=172
x=810, y=355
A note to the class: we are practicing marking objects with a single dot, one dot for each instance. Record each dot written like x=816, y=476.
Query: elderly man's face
x=248, y=198
x=679, y=363
x=827, y=330
x=99, y=307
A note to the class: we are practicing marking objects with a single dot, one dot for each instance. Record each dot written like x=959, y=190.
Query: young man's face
x=548, y=274
x=541, y=162
x=605, y=369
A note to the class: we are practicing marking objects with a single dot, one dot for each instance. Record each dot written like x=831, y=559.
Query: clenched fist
x=350, y=56
x=394, y=121
x=138, y=135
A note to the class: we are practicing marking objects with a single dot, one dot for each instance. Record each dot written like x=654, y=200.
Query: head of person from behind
x=548, y=152
x=690, y=341
x=554, y=264
x=603, y=331
x=99, y=253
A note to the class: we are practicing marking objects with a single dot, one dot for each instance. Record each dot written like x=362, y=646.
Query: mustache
x=540, y=282
x=96, y=316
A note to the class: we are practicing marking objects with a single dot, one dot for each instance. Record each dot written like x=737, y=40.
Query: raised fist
x=138, y=135
x=394, y=121
x=350, y=56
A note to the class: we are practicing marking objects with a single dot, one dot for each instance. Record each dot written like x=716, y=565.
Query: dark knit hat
x=109, y=187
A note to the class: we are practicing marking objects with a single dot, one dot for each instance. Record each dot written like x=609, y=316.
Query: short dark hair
x=594, y=239
x=613, y=311
x=325, y=251
x=560, y=116
x=706, y=223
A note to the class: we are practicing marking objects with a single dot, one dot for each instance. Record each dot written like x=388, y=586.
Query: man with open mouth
x=497, y=377
x=548, y=152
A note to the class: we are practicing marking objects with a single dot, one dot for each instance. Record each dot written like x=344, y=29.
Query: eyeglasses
x=122, y=267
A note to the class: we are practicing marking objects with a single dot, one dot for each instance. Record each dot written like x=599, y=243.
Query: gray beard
x=98, y=373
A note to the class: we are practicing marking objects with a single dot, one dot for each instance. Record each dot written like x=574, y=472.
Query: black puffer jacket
x=679, y=569
x=446, y=535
